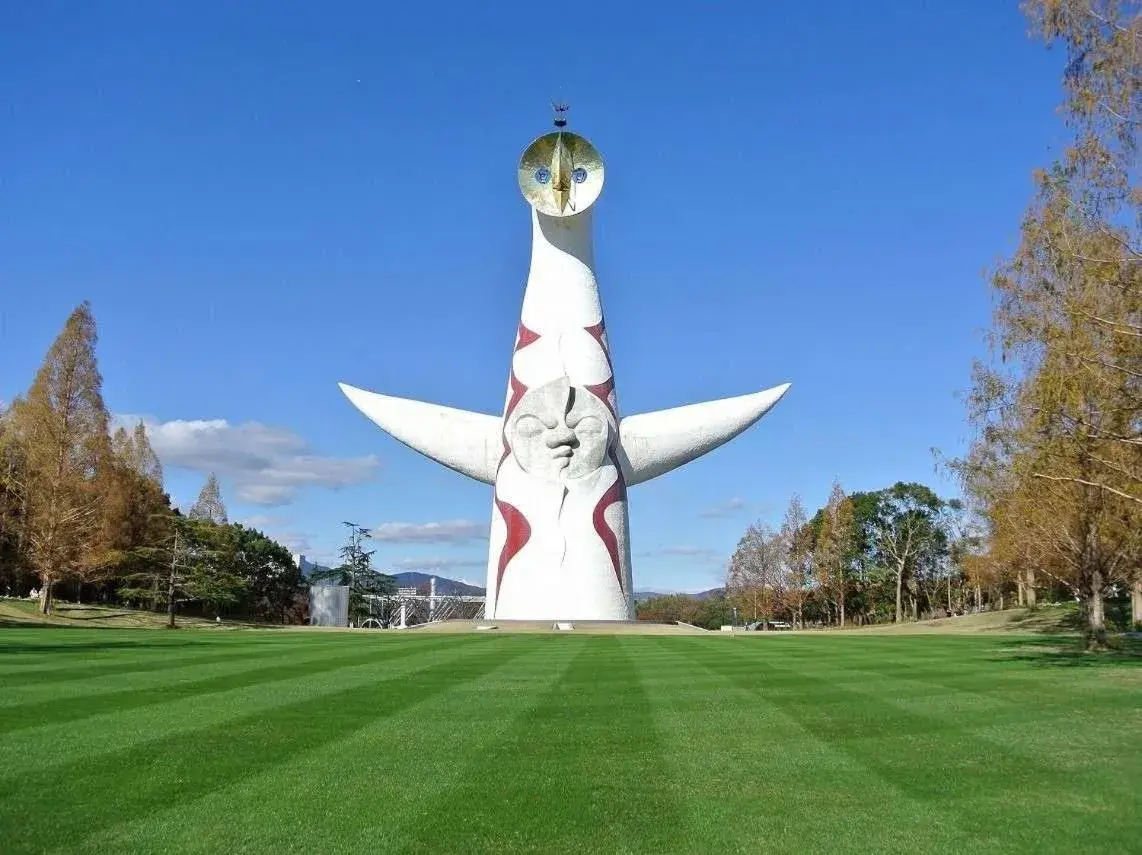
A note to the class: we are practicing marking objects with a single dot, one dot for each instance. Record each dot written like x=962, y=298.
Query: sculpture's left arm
x=655, y=443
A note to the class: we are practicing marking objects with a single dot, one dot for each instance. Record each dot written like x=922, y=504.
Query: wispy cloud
x=264, y=465
x=450, y=531
x=294, y=541
x=696, y=552
x=729, y=508
x=280, y=528
x=437, y=564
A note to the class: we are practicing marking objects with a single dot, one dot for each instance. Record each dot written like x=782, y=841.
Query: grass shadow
x=1070, y=652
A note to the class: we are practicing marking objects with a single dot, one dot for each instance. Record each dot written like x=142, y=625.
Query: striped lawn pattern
x=197, y=742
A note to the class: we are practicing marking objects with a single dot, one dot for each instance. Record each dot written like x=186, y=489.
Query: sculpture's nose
x=561, y=436
x=562, y=166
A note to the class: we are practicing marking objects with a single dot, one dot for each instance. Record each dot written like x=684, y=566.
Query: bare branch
x=1084, y=482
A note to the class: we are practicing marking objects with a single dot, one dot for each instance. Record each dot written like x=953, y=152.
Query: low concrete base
x=589, y=627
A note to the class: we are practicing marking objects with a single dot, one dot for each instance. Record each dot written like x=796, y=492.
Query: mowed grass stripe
x=763, y=783
x=357, y=794
x=935, y=758
x=957, y=664
x=65, y=669
x=83, y=797
x=173, y=687
x=119, y=731
x=583, y=772
x=105, y=678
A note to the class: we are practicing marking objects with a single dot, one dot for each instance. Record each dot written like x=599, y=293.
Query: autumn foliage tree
x=1057, y=461
x=797, y=544
x=61, y=428
x=833, y=550
x=81, y=506
x=755, y=577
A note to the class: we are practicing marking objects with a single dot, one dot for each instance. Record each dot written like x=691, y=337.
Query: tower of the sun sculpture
x=560, y=457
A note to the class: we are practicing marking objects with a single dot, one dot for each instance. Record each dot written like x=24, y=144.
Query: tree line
x=1052, y=480
x=83, y=511
x=1055, y=469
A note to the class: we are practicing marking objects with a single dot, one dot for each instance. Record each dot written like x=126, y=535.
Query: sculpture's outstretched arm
x=468, y=443
x=655, y=443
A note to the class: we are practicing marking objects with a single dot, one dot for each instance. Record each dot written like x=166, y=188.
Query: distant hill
x=448, y=587
x=445, y=586
x=643, y=596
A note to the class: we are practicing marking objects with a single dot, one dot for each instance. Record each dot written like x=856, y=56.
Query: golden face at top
x=561, y=174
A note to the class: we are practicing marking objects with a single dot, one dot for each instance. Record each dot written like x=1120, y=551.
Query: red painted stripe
x=518, y=534
x=616, y=493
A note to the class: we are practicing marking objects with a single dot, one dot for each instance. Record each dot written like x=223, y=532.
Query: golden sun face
x=561, y=174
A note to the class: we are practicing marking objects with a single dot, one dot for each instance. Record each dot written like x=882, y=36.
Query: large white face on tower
x=559, y=432
x=561, y=174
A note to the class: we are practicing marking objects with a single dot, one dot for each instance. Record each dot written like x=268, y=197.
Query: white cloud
x=279, y=528
x=264, y=465
x=728, y=508
x=451, y=531
x=264, y=521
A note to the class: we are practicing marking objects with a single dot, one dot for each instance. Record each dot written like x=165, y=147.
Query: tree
x=194, y=565
x=1057, y=459
x=136, y=510
x=13, y=568
x=133, y=451
x=909, y=537
x=833, y=553
x=61, y=428
x=272, y=579
x=797, y=544
x=208, y=506
x=754, y=577
x=356, y=572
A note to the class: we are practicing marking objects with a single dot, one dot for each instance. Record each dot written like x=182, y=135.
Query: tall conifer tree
x=62, y=429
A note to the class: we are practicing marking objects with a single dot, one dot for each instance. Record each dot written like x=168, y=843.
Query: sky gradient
x=262, y=201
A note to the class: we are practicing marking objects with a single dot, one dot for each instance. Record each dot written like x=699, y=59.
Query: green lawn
x=190, y=741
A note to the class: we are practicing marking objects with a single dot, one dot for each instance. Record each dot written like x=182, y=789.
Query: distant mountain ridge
x=455, y=588
x=409, y=579
x=643, y=596
x=447, y=587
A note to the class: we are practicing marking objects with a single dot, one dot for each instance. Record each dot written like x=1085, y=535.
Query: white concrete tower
x=560, y=456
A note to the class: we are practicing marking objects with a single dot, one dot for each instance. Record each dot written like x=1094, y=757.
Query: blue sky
x=261, y=200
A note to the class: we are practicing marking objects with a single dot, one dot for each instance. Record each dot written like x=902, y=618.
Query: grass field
x=246, y=741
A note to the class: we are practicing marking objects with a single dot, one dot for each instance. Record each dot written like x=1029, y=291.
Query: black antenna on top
x=560, y=114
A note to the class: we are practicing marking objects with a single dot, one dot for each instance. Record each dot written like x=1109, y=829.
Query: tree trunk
x=841, y=604
x=915, y=606
x=46, y=597
x=978, y=599
x=950, y=612
x=1136, y=603
x=899, y=593
x=171, y=585
x=1096, y=613
x=1032, y=597
x=1002, y=606
x=79, y=592
x=1019, y=589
